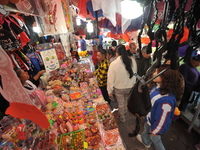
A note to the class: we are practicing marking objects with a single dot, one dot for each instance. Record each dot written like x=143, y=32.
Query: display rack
x=192, y=119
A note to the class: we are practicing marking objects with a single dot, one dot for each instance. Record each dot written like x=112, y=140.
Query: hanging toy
x=52, y=13
x=54, y=16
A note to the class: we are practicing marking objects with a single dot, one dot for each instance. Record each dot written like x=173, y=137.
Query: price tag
x=85, y=145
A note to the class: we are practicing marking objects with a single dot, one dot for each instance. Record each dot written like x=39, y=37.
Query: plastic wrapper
x=103, y=111
x=44, y=79
x=75, y=96
x=72, y=140
x=38, y=97
x=111, y=138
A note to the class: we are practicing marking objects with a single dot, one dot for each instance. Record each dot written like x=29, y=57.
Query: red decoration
x=19, y=110
x=4, y=2
x=185, y=34
x=126, y=37
x=145, y=40
x=82, y=8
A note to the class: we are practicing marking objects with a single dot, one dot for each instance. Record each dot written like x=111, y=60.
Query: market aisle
x=176, y=138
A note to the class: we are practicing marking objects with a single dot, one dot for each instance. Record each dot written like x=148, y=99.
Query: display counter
x=79, y=117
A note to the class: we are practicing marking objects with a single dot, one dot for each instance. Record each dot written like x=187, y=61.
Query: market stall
x=78, y=115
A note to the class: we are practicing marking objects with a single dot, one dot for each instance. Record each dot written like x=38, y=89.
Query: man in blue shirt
x=83, y=46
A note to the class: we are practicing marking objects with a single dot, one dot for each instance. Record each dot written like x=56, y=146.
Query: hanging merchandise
x=22, y=36
x=110, y=8
x=36, y=7
x=12, y=90
x=54, y=21
x=35, y=61
x=65, y=43
x=10, y=33
x=8, y=41
x=68, y=18
x=59, y=51
x=30, y=21
x=161, y=40
x=49, y=57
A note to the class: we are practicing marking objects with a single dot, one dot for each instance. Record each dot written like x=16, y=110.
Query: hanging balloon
x=126, y=37
x=185, y=34
x=145, y=40
x=109, y=34
x=127, y=47
x=4, y=2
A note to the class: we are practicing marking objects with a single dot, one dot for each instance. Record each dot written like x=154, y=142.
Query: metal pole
x=194, y=118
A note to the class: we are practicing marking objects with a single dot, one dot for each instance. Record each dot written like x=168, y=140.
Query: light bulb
x=131, y=9
x=36, y=29
x=90, y=27
x=78, y=21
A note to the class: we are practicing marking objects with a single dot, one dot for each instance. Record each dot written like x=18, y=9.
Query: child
x=163, y=100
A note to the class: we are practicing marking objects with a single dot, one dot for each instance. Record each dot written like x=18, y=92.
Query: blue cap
x=196, y=55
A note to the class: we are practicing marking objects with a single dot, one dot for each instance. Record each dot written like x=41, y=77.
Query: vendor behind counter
x=30, y=84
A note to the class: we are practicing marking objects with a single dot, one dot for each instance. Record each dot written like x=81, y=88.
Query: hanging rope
x=171, y=47
x=193, y=17
x=192, y=20
x=141, y=31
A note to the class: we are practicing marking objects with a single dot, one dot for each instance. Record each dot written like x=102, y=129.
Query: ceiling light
x=90, y=27
x=131, y=9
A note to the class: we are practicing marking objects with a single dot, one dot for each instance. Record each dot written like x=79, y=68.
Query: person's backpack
x=139, y=104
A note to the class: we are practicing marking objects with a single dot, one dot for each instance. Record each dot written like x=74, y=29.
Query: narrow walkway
x=176, y=138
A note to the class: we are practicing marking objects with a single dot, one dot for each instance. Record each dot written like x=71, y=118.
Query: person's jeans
x=122, y=96
x=148, y=139
x=105, y=93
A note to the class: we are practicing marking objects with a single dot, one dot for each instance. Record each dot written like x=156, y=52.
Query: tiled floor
x=176, y=138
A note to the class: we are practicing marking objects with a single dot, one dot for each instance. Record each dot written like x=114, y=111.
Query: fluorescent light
x=36, y=29
x=90, y=27
x=78, y=21
x=131, y=9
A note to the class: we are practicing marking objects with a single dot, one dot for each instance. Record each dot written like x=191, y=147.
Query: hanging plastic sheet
x=12, y=90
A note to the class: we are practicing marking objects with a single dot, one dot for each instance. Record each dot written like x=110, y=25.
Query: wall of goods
x=68, y=110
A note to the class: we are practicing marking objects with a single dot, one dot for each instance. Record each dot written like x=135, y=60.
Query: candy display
x=79, y=117
x=111, y=137
x=72, y=141
x=74, y=96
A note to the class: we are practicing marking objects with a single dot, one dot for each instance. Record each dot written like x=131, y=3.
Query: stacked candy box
x=75, y=96
x=103, y=111
x=99, y=101
x=111, y=138
x=24, y=134
x=106, y=119
x=72, y=141
x=46, y=141
x=92, y=136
